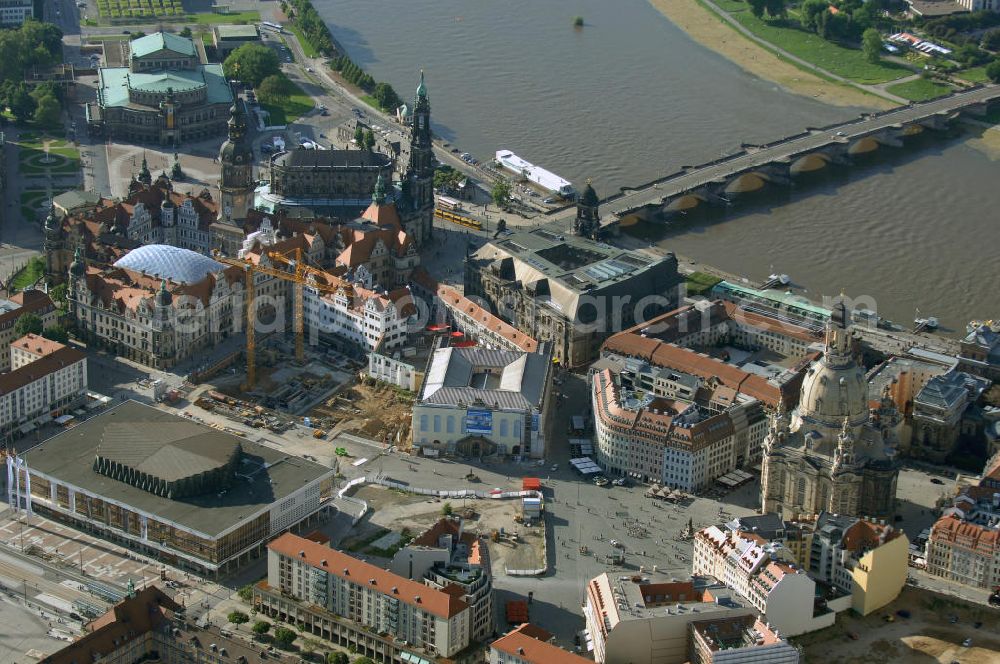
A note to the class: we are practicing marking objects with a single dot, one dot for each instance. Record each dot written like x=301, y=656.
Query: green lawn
x=699, y=283
x=297, y=105
x=973, y=75
x=847, y=62
x=32, y=272
x=211, y=18
x=919, y=89
x=307, y=46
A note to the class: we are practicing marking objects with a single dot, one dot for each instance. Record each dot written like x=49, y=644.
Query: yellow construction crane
x=299, y=277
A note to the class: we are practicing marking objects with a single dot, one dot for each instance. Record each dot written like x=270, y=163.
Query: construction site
x=286, y=384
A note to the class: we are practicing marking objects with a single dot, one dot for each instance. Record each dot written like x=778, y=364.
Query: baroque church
x=349, y=177
x=836, y=452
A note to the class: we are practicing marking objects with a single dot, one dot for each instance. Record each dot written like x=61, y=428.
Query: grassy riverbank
x=706, y=28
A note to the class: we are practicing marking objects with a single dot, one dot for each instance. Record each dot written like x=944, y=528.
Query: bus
x=449, y=204
x=276, y=27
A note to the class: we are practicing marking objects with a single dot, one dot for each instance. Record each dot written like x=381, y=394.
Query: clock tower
x=236, y=157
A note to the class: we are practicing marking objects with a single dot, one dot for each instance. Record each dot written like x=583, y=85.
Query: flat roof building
x=164, y=485
x=228, y=38
x=738, y=640
x=569, y=290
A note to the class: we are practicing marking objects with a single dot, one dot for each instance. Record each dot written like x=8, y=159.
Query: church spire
x=422, y=88
x=378, y=196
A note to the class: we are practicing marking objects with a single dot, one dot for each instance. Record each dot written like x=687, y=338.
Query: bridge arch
x=863, y=145
x=684, y=202
x=913, y=129
x=746, y=183
x=808, y=163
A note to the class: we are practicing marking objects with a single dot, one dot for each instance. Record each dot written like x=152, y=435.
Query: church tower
x=77, y=281
x=55, y=261
x=588, y=218
x=236, y=157
x=420, y=173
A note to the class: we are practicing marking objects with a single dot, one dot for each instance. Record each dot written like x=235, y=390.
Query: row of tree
x=42, y=104
x=284, y=637
x=310, y=24
x=251, y=63
x=381, y=92
x=31, y=44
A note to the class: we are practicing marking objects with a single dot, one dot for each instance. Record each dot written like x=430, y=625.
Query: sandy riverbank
x=707, y=29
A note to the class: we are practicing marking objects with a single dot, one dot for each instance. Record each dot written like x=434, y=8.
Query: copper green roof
x=116, y=81
x=159, y=41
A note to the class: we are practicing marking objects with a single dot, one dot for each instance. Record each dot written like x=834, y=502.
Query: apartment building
x=446, y=555
x=26, y=302
x=964, y=551
x=382, y=615
x=739, y=640
x=659, y=425
x=46, y=379
x=630, y=621
x=14, y=13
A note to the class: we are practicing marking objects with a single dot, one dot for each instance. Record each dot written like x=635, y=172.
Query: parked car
x=967, y=643
x=935, y=480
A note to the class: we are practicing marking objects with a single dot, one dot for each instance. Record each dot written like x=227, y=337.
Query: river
x=630, y=98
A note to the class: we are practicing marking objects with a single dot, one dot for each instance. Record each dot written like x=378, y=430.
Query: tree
x=386, y=97
x=446, y=509
x=446, y=177
x=338, y=657
x=186, y=32
x=501, y=225
x=359, y=136
x=871, y=45
x=369, y=140
x=238, y=618
x=757, y=7
x=275, y=89
x=251, y=63
x=56, y=333
x=991, y=40
x=27, y=324
x=47, y=111
x=775, y=8
x=284, y=637
x=260, y=628
x=364, y=660
x=809, y=13
x=993, y=71
x=58, y=295
x=20, y=102
x=245, y=592
x=501, y=192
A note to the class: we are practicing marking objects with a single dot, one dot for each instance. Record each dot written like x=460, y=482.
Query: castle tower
x=54, y=243
x=420, y=173
x=77, y=277
x=236, y=157
x=163, y=338
x=144, y=176
x=588, y=218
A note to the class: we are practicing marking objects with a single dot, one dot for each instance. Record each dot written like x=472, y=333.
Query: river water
x=631, y=98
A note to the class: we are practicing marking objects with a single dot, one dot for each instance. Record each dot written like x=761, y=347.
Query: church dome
x=830, y=393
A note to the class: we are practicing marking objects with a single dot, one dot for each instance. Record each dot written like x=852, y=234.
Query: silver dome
x=179, y=266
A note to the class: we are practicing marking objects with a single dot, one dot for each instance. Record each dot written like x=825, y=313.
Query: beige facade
x=340, y=598
x=46, y=379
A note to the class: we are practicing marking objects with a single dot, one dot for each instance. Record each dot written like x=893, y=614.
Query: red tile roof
x=433, y=601
x=526, y=644
x=36, y=345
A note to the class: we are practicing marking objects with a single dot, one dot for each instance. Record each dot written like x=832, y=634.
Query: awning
x=26, y=428
x=44, y=419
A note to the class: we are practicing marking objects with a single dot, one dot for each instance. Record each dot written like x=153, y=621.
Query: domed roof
x=180, y=266
x=589, y=196
x=78, y=267
x=832, y=392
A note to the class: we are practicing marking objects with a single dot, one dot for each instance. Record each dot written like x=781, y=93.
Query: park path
x=876, y=90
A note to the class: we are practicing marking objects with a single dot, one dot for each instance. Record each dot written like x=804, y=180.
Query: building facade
x=14, y=13
x=336, y=181
x=528, y=644
x=739, y=640
x=938, y=410
x=158, y=305
x=236, y=184
x=166, y=95
x=838, y=454
x=30, y=301
x=46, y=380
x=477, y=401
x=666, y=427
x=446, y=555
x=384, y=616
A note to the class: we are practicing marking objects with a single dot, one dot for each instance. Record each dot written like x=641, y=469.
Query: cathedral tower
x=236, y=157
x=588, y=218
x=420, y=173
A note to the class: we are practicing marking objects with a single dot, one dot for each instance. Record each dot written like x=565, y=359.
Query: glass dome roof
x=180, y=266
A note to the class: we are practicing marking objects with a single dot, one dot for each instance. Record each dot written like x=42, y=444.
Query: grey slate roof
x=501, y=379
x=332, y=159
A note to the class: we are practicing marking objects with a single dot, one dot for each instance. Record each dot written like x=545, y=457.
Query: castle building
x=838, y=451
x=158, y=305
x=166, y=94
x=588, y=218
